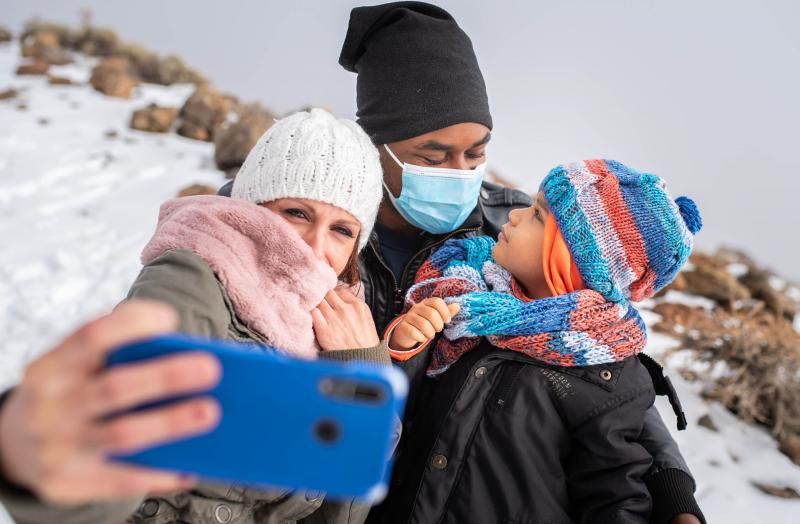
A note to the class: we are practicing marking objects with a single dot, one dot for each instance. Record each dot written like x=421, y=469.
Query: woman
x=274, y=264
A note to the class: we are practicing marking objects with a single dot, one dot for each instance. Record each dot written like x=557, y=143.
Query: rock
x=706, y=422
x=36, y=67
x=44, y=39
x=204, y=112
x=197, y=189
x=234, y=141
x=65, y=36
x=154, y=119
x=784, y=492
x=676, y=319
x=173, y=70
x=45, y=46
x=98, y=41
x=5, y=34
x=728, y=255
x=716, y=283
x=28, y=51
x=757, y=282
x=8, y=94
x=55, y=56
x=790, y=446
x=194, y=131
x=59, y=80
x=113, y=77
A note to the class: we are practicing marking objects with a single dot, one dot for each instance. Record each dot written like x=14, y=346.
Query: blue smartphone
x=286, y=423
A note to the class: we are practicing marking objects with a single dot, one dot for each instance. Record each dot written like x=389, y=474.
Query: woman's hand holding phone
x=55, y=433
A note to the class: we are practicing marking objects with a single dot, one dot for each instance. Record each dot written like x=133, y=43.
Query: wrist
x=399, y=353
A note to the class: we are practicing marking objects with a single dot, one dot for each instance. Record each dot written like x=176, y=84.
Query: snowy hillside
x=79, y=196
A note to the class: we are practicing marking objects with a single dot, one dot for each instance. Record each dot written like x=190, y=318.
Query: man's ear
x=392, y=173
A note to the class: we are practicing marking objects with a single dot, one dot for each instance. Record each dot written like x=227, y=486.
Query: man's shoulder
x=495, y=195
x=497, y=201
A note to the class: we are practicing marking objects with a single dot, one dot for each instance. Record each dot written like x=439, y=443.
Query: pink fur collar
x=269, y=273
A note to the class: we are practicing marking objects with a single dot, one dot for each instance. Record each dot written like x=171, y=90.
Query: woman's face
x=331, y=231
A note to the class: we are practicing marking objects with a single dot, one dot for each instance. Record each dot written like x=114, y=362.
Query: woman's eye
x=343, y=231
x=475, y=156
x=299, y=213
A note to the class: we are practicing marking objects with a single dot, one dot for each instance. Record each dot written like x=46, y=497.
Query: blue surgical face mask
x=436, y=199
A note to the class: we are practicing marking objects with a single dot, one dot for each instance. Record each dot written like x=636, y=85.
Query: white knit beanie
x=314, y=155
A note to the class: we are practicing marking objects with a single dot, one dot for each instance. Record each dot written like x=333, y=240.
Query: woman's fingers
x=85, y=350
x=318, y=320
x=335, y=301
x=136, y=431
x=325, y=307
x=346, y=295
x=130, y=385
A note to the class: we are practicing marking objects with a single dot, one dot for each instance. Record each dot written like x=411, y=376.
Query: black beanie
x=417, y=71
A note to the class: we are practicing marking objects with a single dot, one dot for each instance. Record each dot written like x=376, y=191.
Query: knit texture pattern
x=577, y=329
x=316, y=156
x=627, y=236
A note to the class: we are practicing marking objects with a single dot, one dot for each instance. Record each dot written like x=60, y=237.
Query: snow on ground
x=726, y=462
x=77, y=206
x=79, y=197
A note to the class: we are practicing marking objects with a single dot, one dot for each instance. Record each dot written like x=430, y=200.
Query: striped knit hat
x=627, y=236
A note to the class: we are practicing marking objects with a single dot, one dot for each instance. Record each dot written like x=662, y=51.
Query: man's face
x=461, y=146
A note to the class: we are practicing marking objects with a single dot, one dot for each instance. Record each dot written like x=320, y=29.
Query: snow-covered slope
x=79, y=197
x=77, y=205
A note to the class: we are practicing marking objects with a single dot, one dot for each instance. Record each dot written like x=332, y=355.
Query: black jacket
x=500, y=437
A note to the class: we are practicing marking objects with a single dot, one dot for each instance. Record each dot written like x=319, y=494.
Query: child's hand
x=422, y=322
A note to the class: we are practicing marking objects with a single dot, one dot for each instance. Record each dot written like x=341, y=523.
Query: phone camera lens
x=327, y=431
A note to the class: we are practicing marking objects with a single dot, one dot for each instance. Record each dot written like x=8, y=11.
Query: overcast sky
x=703, y=93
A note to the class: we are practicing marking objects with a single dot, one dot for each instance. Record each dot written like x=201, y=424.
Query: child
x=537, y=405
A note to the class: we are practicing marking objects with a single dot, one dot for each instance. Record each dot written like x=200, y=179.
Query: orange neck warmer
x=560, y=271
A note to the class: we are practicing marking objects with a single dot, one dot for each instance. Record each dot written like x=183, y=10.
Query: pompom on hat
x=625, y=233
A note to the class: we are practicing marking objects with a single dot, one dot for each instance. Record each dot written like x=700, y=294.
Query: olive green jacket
x=182, y=279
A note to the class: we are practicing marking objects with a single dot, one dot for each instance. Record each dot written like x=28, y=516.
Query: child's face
x=519, y=247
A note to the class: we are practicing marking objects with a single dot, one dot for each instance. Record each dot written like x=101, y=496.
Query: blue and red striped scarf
x=575, y=329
